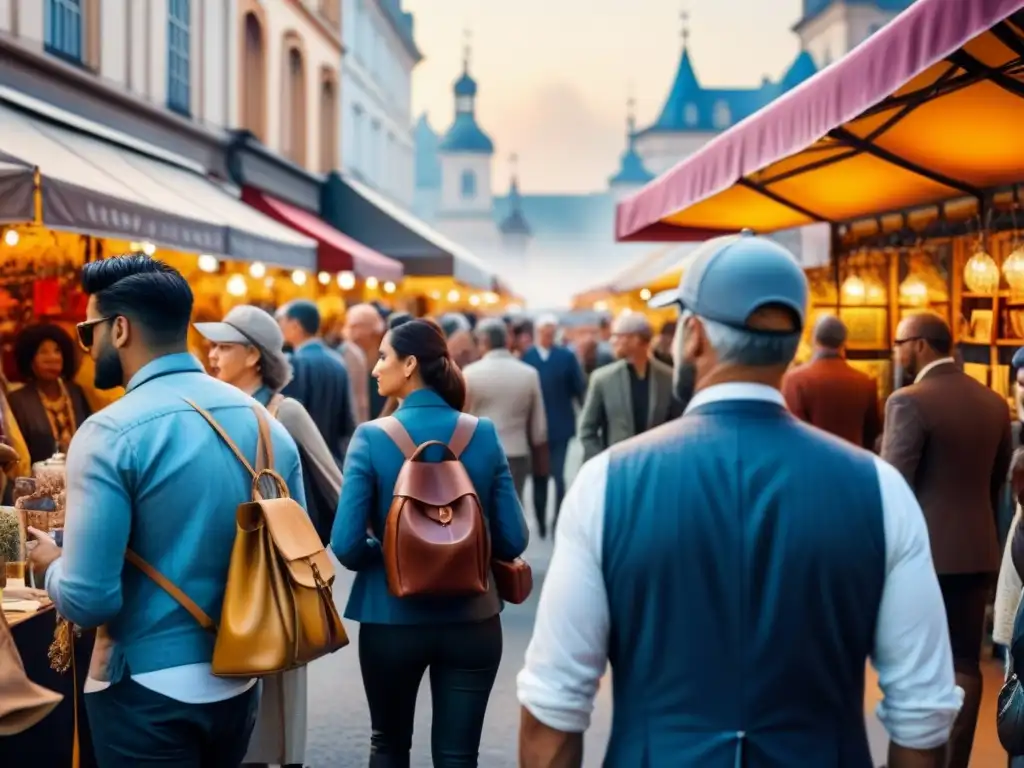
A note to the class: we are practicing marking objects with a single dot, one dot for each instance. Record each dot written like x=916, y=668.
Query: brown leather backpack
x=436, y=541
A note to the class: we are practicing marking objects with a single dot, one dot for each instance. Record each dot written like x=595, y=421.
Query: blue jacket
x=320, y=383
x=147, y=472
x=743, y=591
x=563, y=384
x=371, y=468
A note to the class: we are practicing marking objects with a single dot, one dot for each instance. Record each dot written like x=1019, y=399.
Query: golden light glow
x=981, y=274
x=600, y=306
x=645, y=294
x=299, y=277
x=389, y=287
x=346, y=281
x=208, y=263
x=474, y=300
x=11, y=237
x=1013, y=269
x=237, y=286
x=269, y=282
x=453, y=295
x=257, y=270
x=371, y=283
x=324, y=278
x=854, y=291
x=913, y=291
x=491, y=297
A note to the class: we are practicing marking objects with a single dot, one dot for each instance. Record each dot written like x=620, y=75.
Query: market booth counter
x=908, y=149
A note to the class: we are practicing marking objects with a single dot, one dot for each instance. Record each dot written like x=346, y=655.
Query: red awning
x=336, y=251
x=925, y=110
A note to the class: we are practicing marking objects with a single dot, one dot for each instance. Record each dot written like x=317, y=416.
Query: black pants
x=966, y=597
x=134, y=727
x=557, y=453
x=463, y=662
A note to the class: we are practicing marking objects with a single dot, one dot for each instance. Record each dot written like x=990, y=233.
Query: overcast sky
x=554, y=75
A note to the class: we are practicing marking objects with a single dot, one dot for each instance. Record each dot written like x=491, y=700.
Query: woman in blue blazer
x=458, y=639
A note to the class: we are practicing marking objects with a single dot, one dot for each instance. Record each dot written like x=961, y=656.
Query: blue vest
x=744, y=558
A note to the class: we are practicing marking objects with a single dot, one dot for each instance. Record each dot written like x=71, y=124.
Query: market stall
x=908, y=150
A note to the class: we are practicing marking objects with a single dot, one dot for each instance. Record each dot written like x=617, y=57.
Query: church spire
x=684, y=17
x=515, y=222
x=467, y=48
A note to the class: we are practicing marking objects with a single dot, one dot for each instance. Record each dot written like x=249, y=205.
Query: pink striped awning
x=928, y=109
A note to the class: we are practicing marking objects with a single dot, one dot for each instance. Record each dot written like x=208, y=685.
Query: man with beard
x=149, y=472
x=949, y=436
x=737, y=566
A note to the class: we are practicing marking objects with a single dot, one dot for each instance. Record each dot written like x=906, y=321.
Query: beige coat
x=507, y=391
x=1008, y=591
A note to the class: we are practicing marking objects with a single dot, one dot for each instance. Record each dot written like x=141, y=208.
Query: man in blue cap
x=737, y=566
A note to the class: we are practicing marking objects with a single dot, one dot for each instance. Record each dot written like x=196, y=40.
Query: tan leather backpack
x=436, y=541
x=278, y=611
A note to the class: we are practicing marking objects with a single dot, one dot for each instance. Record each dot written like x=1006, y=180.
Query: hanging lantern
x=981, y=274
x=913, y=291
x=854, y=291
x=1013, y=269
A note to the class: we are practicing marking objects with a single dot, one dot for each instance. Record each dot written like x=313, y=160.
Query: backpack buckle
x=444, y=515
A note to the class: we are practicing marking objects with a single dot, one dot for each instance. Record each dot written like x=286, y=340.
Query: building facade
x=146, y=70
x=286, y=60
x=376, y=119
x=829, y=29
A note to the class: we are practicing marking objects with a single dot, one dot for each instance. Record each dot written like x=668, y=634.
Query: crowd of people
x=744, y=534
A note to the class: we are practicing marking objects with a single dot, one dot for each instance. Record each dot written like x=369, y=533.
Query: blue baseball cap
x=729, y=278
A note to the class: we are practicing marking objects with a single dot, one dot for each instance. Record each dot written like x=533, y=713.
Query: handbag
x=1010, y=705
x=514, y=580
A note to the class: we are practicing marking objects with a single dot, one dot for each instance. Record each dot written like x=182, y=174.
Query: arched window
x=71, y=30
x=293, y=101
x=468, y=185
x=723, y=116
x=690, y=114
x=253, y=88
x=179, y=53
x=328, y=120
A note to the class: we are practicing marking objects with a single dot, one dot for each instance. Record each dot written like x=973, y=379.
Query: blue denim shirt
x=371, y=468
x=147, y=472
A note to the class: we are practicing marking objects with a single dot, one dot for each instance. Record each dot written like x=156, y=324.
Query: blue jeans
x=557, y=451
x=134, y=727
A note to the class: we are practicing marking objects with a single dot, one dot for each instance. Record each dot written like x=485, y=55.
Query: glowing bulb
x=299, y=277
x=237, y=285
x=371, y=283
x=981, y=273
x=323, y=278
x=491, y=297
x=645, y=294
x=208, y=263
x=389, y=287
x=257, y=270
x=453, y=295
x=435, y=295
x=11, y=237
x=1013, y=269
x=854, y=289
x=346, y=281
x=269, y=282
x=148, y=248
x=913, y=290
x=600, y=306
x=474, y=300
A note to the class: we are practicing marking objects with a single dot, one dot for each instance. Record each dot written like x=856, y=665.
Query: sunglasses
x=87, y=331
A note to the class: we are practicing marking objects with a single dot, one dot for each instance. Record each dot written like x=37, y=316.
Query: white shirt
x=543, y=352
x=933, y=364
x=567, y=655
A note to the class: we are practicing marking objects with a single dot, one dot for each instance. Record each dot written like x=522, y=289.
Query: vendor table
x=49, y=743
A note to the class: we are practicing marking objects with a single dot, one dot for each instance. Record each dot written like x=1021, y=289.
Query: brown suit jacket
x=834, y=396
x=949, y=436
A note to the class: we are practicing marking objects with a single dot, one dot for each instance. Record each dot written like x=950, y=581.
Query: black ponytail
x=424, y=340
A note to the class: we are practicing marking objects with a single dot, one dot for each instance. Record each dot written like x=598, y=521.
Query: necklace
x=61, y=415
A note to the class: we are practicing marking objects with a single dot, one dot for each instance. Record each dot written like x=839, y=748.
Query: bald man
x=630, y=396
x=830, y=393
x=364, y=329
x=949, y=436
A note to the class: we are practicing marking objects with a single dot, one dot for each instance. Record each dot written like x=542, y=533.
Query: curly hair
x=28, y=342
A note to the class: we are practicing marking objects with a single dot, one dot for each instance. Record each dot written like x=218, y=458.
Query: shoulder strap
x=264, y=445
x=171, y=589
x=227, y=440
x=275, y=404
x=393, y=428
x=464, y=429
